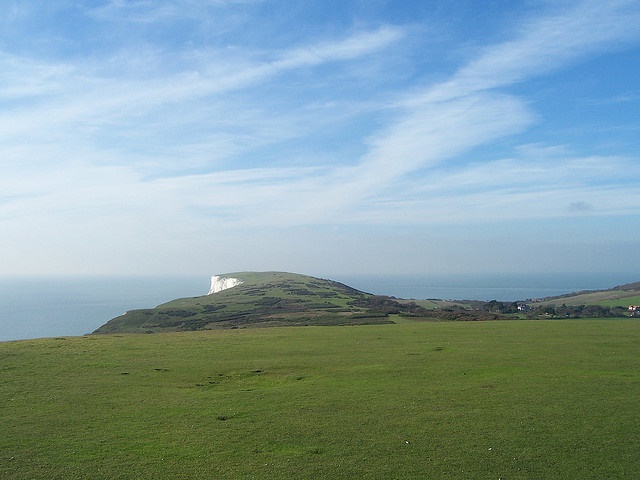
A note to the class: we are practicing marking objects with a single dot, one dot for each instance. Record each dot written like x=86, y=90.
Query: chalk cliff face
x=218, y=283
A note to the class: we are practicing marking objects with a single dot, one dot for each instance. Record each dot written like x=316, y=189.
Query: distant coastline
x=503, y=287
x=59, y=306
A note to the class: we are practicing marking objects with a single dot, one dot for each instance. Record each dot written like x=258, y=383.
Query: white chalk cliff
x=219, y=283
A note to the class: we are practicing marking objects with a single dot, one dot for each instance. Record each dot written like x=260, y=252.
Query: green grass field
x=621, y=302
x=479, y=400
x=608, y=298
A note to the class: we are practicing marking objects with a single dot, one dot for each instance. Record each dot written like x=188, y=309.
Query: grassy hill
x=508, y=399
x=263, y=299
x=268, y=299
x=622, y=295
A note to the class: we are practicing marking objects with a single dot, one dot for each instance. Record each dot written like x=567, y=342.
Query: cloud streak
x=228, y=137
x=544, y=45
x=91, y=104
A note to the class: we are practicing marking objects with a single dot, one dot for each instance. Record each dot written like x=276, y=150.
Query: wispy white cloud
x=216, y=139
x=147, y=12
x=544, y=44
x=528, y=187
x=436, y=125
x=510, y=189
x=24, y=79
x=89, y=106
x=216, y=75
x=620, y=99
x=449, y=119
x=361, y=43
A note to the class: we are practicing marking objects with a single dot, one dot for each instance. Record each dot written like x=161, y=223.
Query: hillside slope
x=261, y=299
x=266, y=299
x=622, y=295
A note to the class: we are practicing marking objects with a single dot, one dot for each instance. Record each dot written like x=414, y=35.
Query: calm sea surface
x=50, y=307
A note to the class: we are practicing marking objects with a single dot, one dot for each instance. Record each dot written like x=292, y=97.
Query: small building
x=634, y=310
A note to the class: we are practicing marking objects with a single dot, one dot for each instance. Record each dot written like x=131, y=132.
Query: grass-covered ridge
x=268, y=299
x=508, y=399
x=263, y=299
x=622, y=295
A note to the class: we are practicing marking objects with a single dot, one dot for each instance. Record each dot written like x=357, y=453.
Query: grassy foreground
x=507, y=399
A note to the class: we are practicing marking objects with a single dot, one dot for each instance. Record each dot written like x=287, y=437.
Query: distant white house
x=523, y=307
x=634, y=310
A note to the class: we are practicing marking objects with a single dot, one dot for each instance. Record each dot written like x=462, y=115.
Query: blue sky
x=322, y=137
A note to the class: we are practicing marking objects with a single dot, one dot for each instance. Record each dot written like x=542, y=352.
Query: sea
x=36, y=307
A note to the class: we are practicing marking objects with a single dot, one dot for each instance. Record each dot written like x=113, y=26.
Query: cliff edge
x=220, y=283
